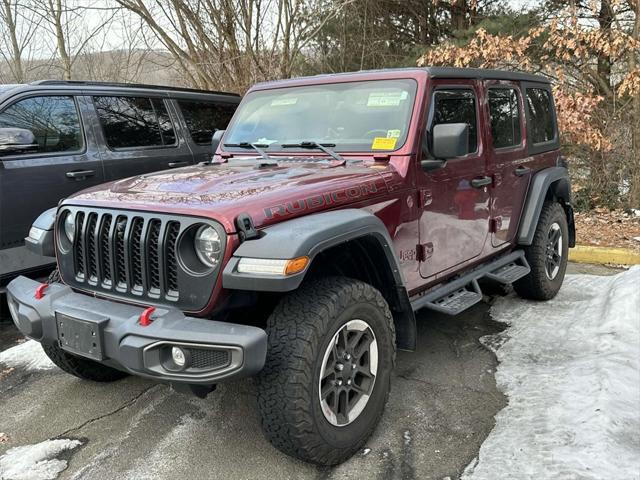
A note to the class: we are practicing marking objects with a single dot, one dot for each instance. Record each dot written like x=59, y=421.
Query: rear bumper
x=223, y=350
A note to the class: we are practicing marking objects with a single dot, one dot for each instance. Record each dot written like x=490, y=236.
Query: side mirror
x=216, y=139
x=15, y=140
x=450, y=140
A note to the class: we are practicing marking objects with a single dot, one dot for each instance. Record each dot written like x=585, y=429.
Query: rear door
x=454, y=224
x=202, y=119
x=509, y=163
x=137, y=135
x=65, y=161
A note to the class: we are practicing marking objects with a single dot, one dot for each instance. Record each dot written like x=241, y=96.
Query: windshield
x=355, y=116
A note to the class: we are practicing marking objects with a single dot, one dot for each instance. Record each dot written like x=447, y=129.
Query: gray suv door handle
x=80, y=174
x=177, y=164
x=521, y=171
x=481, y=182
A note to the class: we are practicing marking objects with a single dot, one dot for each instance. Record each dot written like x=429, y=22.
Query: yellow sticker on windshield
x=381, y=143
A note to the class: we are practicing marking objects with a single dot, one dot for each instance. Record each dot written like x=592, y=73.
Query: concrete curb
x=603, y=255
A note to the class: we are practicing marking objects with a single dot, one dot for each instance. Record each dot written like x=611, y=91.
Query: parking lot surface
x=441, y=408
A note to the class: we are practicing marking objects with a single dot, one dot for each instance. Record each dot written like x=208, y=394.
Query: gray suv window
x=53, y=120
x=203, y=119
x=130, y=122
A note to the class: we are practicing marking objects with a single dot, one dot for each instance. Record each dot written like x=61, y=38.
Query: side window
x=505, y=117
x=53, y=121
x=134, y=122
x=203, y=119
x=457, y=106
x=541, y=125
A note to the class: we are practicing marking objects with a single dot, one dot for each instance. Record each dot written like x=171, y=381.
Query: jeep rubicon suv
x=334, y=208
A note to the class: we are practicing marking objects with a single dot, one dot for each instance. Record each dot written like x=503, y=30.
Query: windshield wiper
x=258, y=147
x=325, y=147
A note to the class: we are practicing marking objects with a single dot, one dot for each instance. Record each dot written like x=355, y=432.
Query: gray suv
x=59, y=137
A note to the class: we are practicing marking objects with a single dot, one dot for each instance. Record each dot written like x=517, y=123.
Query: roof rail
x=128, y=85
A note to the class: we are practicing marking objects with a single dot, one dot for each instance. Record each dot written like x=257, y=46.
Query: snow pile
x=571, y=370
x=28, y=355
x=35, y=462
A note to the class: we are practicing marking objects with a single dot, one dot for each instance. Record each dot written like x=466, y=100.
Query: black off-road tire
x=299, y=332
x=538, y=285
x=81, y=367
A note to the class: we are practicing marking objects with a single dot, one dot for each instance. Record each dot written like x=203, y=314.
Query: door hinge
x=424, y=251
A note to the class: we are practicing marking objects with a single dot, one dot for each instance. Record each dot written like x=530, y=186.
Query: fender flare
x=306, y=236
x=556, y=180
x=311, y=235
x=42, y=243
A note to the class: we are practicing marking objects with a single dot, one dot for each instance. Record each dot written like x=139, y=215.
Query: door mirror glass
x=17, y=140
x=216, y=139
x=450, y=140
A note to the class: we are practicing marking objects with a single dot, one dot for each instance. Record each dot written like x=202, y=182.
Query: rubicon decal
x=321, y=200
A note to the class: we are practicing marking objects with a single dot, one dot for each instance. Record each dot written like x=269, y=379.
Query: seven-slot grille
x=126, y=253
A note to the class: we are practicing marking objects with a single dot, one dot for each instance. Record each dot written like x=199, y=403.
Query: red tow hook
x=40, y=291
x=145, y=317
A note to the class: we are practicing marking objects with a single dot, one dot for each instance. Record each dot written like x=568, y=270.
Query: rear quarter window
x=204, y=118
x=541, y=116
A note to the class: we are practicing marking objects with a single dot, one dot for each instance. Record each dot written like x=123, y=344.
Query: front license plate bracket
x=81, y=337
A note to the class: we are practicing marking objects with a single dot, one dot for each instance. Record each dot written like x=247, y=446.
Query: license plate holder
x=81, y=337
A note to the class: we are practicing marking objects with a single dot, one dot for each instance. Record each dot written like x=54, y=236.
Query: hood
x=223, y=190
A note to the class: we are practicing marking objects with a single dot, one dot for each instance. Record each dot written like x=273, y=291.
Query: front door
x=454, y=224
x=138, y=136
x=63, y=161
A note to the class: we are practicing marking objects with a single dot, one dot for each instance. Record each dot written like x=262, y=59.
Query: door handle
x=521, y=171
x=177, y=164
x=80, y=174
x=481, y=182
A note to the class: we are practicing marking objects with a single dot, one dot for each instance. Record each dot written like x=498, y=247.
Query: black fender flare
x=42, y=229
x=554, y=180
x=310, y=235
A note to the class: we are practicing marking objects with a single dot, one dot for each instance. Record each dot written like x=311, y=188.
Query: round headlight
x=208, y=245
x=70, y=226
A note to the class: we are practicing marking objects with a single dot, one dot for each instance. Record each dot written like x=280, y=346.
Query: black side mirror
x=450, y=140
x=216, y=139
x=16, y=140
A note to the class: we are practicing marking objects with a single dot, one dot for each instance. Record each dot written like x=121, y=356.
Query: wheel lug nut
x=339, y=367
x=349, y=382
x=339, y=382
x=347, y=357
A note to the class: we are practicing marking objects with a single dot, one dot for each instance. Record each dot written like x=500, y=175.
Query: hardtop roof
x=433, y=72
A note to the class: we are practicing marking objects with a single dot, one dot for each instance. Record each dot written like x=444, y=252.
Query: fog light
x=178, y=356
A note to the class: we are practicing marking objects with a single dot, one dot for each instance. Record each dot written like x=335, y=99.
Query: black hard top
x=114, y=88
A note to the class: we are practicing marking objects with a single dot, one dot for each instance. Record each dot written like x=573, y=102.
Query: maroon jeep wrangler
x=334, y=208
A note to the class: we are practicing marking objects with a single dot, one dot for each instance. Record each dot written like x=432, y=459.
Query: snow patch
x=571, y=370
x=36, y=462
x=28, y=355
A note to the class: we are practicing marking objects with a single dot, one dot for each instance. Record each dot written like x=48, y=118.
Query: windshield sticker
x=280, y=102
x=386, y=99
x=381, y=143
x=393, y=133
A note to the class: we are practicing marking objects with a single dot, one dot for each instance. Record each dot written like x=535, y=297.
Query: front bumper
x=223, y=350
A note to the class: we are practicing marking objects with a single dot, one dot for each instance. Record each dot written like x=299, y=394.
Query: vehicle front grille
x=145, y=257
x=127, y=254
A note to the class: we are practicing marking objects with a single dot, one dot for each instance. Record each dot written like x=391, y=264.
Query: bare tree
x=231, y=44
x=18, y=28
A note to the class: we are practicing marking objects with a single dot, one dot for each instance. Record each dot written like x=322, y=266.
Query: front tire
x=326, y=380
x=547, y=255
x=81, y=367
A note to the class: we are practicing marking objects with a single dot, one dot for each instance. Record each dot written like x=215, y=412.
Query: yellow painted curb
x=604, y=255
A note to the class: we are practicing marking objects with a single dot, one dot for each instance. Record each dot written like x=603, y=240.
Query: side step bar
x=456, y=296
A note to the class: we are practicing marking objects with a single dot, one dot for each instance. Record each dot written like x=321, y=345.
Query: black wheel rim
x=553, y=252
x=348, y=373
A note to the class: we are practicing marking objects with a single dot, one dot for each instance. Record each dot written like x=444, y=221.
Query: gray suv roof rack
x=127, y=85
